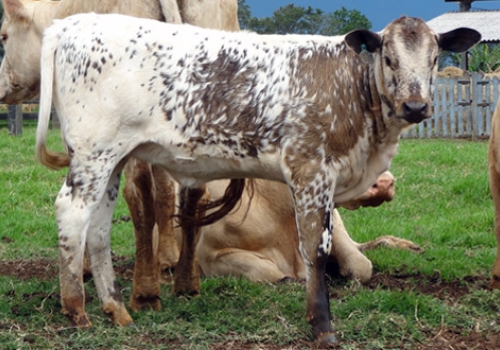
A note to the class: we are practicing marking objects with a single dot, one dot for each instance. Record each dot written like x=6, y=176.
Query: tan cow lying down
x=259, y=240
x=494, y=172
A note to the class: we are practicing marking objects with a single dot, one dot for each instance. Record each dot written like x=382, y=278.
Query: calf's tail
x=52, y=160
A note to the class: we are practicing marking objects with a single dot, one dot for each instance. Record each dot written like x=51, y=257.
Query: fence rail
x=462, y=109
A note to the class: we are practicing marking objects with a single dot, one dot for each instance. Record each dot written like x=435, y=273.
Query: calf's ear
x=458, y=40
x=363, y=39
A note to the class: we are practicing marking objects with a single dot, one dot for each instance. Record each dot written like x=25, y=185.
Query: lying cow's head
x=21, y=35
x=380, y=192
x=405, y=63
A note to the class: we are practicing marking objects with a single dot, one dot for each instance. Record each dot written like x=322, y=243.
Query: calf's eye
x=387, y=61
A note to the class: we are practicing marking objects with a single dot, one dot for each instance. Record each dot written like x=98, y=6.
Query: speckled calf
x=321, y=114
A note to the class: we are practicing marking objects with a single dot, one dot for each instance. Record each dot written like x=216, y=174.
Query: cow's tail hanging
x=224, y=205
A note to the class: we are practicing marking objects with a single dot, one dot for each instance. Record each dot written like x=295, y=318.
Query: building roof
x=485, y=22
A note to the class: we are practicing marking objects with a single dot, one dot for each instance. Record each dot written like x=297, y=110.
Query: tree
x=301, y=20
x=484, y=58
x=343, y=21
x=244, y=14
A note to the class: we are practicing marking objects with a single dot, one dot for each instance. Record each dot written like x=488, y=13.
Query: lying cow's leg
x=315, y=227
x=168, y=251
x=240, y=262
x=347, y=257
x=187, y=275
x=389, y=241
x=98, y=245
x=348, y=254
x=138, y=193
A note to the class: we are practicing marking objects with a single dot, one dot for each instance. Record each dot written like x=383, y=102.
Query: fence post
x=15, y=119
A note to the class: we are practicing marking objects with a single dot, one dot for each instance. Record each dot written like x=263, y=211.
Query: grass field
x=435, y=300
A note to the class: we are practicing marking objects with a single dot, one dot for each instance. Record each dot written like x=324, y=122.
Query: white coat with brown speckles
x=310, y=111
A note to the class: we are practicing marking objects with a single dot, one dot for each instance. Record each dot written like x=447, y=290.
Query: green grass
x=442, y=203
x=27, y=198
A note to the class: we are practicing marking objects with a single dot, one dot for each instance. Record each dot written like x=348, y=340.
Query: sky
x=379, y=12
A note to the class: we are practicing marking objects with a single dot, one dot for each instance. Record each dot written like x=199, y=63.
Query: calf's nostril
x=415, y=107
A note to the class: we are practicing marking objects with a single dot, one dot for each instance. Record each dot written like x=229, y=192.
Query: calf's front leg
x=315, y=236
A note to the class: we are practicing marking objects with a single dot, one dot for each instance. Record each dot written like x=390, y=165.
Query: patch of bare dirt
x=432, y=285
x=44, y=269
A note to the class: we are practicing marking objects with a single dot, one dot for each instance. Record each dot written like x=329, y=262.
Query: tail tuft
x=52, y=160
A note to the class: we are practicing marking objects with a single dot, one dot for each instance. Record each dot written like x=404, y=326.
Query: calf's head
x=405, y=63
x=21, y=35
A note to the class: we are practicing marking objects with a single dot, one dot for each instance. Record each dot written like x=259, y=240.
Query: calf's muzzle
x=414, y=111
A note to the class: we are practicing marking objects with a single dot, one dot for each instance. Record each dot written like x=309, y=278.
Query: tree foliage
x=302, y=20
x=343, y=21
x=484, y=58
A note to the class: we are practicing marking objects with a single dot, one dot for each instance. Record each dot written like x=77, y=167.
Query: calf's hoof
x=79, y=320
x=118, y=314
x=327, y=339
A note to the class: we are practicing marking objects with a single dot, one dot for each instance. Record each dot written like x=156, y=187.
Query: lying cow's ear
x=360, y=39
x=458, y=40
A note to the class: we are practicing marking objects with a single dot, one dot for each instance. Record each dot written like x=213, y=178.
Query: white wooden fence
x=462, y=109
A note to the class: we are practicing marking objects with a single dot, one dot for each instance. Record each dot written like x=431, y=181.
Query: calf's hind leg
x=98, y=245
x=81, y=212
x=73, y=217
